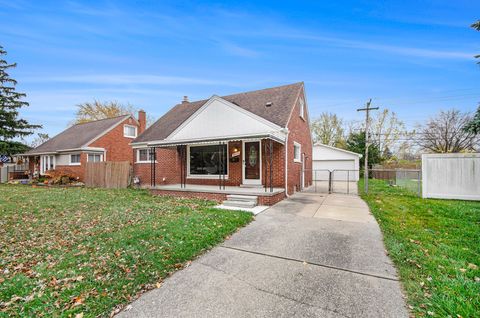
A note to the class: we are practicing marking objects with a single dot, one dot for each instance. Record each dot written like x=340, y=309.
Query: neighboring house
x=343, y=163
x=254, y=143
x=100, y=140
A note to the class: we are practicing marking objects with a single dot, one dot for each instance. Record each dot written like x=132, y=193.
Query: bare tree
x=387, y=129
x=40, y=139
x=445, y=133
x=328, y=129
x=90, y=111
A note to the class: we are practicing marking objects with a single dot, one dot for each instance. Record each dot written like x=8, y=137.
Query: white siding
x=330, y=158
x=451, y=176
x=218, y=119
x=62, y=160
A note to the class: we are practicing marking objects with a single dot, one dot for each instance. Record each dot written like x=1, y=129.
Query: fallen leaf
x=472, y=266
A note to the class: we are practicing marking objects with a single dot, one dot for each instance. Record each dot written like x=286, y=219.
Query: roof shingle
x=77, y=136
x=282, y=98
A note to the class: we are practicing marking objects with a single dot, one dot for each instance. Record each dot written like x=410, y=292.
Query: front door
x=252, y=161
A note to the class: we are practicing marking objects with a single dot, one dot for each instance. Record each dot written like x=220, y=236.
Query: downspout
x=286, y=161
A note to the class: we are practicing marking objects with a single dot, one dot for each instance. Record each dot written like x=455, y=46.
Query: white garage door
x=320, y=167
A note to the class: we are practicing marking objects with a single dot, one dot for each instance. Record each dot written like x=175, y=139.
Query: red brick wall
x=168, y=167
x=217, y=197
x=299, y=132
x=78, y=171
x=116, y=145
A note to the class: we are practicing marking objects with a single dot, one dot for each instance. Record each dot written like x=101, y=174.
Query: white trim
x=227, y=103
x=301, y=102
x=244, y=163
x=130, y=126
x=205, y=176
x=286, y=163
x=70, y=163
x=46, y=161
x=94, y=154
x=137, y=155
x=338, y=149
x=212, y=140
x=299, y=160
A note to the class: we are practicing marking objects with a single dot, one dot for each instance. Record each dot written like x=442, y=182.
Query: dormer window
x=130, y=131
x=302, y=108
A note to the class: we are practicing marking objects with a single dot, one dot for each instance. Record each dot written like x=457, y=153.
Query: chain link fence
x=346, y=181
x=409, y=179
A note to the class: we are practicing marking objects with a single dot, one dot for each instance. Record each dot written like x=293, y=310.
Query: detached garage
x=343, y=163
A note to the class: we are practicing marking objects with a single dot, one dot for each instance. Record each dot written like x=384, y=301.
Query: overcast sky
x=413, y=57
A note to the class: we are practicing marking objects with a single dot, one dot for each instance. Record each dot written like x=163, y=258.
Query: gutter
x=287, y=132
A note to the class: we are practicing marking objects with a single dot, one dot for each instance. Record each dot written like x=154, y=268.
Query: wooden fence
x=107, y=174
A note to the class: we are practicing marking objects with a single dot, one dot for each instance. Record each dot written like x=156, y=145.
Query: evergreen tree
x=356, y=143
x=11, y=126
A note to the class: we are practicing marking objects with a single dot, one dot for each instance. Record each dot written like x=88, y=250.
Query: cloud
x=237, y=50
x=123, y=79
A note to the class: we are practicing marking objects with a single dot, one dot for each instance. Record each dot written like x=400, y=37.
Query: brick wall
x=217, y=197
x=169, y=164
x=77, y=171
x=116, y=145
x=299, y=132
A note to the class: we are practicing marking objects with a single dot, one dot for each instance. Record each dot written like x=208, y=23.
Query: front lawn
x=68, y=252
x=435, y=245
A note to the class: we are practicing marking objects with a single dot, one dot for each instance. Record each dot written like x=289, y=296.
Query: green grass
x=64, y=252
x=435, y=245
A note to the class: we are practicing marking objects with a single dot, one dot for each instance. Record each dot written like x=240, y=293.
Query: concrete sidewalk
x=308, y=256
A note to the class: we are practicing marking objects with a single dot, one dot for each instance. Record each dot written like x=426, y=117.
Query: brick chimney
x=142, y=119
x=185, y=100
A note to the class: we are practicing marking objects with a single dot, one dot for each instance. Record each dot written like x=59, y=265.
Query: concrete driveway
x=308, y=256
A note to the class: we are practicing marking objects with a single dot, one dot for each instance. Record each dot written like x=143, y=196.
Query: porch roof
x=275, y=136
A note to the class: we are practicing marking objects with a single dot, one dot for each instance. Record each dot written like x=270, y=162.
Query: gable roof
x=78, y=136
x=318, y=144
x=283, y=100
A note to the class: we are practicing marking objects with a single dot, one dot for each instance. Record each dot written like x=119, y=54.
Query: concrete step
x=256, y=186
x=238, y=197
x=240, y=204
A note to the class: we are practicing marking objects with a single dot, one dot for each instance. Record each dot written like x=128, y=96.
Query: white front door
x=252, y=162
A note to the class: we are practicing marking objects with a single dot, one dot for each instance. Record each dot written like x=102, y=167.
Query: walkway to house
x=308, y=256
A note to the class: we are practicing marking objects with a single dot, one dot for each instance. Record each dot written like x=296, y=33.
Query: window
x=144, y=155
x=130, y=131
x=93, y=157
x=297, y=149
x=75, y=160
x=207, y=160
x=302, y=108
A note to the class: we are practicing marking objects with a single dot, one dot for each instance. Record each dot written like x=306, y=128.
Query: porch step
x=240, y=204
x=251, y=186
x=241, y=201
x=238, y=197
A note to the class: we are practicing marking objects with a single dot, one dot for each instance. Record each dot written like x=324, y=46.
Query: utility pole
x=367, y=110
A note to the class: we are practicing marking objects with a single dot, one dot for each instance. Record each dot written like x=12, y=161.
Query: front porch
x=264, y=196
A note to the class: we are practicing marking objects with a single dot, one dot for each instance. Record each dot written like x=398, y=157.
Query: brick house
x=248, y=146
x=100, y=140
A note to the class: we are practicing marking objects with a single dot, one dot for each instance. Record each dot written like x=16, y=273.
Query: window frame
x=94, y=154
x=299, y=159
x=125, y=131
x=206, y=176
x=302, y=108
x=71, y=163
x=137, y=157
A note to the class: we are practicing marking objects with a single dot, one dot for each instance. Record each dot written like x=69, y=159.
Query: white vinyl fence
x=451, y=176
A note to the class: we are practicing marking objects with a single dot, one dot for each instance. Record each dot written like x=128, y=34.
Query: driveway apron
x=307, y=256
